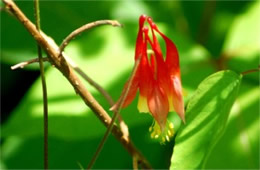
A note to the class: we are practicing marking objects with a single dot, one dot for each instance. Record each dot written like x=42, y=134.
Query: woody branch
x=61, y=64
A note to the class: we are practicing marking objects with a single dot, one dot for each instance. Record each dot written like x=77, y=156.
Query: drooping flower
x=157, y=79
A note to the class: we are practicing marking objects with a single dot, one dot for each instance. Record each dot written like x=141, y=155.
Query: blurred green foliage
x=210, y=36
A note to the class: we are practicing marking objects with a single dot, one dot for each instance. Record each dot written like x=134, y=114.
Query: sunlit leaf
x=207, y=114
x=239, y=146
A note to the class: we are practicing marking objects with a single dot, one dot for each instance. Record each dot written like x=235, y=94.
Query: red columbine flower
x=157, y=79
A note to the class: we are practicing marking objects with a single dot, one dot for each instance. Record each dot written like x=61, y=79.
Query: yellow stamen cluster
x=163, y=136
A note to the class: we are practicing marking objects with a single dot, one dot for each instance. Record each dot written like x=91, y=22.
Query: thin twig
x=66, y=41
x=62, y=66
x=84, y=28
x=44, y=89
x=251, y=71
x=111, y=102
x=117, y=110
x=25, y=63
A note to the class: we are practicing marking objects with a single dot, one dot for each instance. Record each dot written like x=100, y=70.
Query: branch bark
x=25, y=63
x=61, y=64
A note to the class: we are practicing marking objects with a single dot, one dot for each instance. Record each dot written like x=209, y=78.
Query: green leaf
x=206, y=115
x=238, y=148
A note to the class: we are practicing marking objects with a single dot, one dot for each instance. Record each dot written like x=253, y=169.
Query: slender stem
x=66, y=41
x=25, y=63
x=106, y=95
x=84, y=28
x=251, y=71
x=117, y=110
x=44, y=88
x=94, y=84
x=53, y=53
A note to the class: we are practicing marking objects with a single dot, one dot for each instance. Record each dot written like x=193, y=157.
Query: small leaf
x=207, y=114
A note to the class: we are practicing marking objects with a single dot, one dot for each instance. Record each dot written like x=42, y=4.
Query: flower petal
x=158, y=105
x=155, y=44
x=138, y=53
x=145, y=72
x=172, y=56
x=172, y=62
x=142, y=104
x=159, y=67
x=140, y=40
x=178, y=103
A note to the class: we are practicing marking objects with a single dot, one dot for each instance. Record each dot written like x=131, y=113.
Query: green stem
x=44, y=88
x=117, y=110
